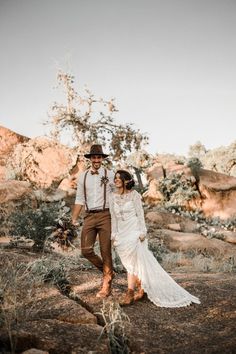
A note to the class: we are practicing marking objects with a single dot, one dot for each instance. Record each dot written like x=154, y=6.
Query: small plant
x=116, y=322
x=117, y=265
x=16, y=285
x=204, y=263
x=4, y=215
x=48, y=271
x=159, y=251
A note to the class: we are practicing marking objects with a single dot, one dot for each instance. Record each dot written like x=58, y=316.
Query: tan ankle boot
x=140, y=292
x=104, y=292
x=106, y=288
x=128, y=298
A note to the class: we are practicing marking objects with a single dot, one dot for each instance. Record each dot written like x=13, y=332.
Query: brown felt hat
x=95, y=150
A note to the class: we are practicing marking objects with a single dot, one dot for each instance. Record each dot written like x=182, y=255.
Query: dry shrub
x=116, y=322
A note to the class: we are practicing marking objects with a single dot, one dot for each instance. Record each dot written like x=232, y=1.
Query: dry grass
x=116, y=322
x=198, y=262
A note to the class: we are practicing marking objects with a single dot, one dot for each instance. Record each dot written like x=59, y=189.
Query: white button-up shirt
x=94, y=189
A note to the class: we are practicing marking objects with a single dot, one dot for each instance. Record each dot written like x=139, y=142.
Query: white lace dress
x=128, y=224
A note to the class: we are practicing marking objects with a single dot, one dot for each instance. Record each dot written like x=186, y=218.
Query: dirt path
x=205, y=328
x=62, y=320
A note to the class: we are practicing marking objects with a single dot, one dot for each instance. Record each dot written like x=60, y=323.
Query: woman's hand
x=142, y=238
x=113, y=243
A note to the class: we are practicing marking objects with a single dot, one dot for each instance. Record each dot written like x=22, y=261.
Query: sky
x=170, y=65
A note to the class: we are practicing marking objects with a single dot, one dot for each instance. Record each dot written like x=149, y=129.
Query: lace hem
x=186, y=301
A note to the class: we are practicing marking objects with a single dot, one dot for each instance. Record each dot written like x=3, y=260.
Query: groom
x=94, y=186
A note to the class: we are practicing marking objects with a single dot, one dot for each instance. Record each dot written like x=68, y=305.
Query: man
x=94, y=186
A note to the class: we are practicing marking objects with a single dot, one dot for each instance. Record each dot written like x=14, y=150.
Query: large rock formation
x=41, y=161
x=217, y=193
x=214, y=193
x=8, y=141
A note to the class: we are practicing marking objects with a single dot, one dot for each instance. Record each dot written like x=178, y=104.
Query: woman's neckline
x=123, y=194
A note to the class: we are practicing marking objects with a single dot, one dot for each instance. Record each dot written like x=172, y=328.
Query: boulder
x=42, y=161
x=35, y=351
x=214, y=192
x=218, y=194
x=153, y=196
x=229, y=236
x=49, y=303
x=185, y=242
x=55, y=336
x=8, y=141
x=12, y=191
x=174, y=227
x=166, y=165
x=164, y=219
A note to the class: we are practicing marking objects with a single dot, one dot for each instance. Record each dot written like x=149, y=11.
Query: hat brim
x=89, y=155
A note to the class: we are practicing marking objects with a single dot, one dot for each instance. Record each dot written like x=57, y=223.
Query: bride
x=129, y=238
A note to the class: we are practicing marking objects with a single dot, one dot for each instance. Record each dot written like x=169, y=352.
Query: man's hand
x=142, y=238
x=75, y=214
x=75, y=223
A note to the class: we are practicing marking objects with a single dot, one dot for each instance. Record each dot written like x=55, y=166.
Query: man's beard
x=96, y=166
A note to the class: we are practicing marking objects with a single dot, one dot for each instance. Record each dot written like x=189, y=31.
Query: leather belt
x=96, y=210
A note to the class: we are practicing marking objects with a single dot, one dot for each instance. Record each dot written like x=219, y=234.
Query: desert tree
x=197, y=150
x=91, y=120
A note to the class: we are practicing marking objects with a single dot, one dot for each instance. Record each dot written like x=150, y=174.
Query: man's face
x=96, y=161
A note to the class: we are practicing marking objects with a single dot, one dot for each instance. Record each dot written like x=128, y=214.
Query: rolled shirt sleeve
x=79, y=199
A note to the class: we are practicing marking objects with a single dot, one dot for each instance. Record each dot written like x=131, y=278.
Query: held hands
x=142, y=237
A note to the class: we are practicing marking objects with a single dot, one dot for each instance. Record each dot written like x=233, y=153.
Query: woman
x=129, y=238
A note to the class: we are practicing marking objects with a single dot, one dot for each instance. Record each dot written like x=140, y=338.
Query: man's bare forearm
x=76, y=212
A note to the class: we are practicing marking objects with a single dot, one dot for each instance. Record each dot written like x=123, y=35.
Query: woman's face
x=118, y=181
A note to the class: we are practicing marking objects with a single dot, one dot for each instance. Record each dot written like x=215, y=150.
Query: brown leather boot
x=128, y=298
x=104, y=292
x=106, y=288
x=140, y=292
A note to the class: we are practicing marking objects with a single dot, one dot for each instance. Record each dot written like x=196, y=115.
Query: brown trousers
x=98, y=224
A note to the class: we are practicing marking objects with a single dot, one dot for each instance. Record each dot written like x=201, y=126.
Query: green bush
x=34, y=224
x=177, y=189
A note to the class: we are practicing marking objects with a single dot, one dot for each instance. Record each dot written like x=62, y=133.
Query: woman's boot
x=128, y=298
x=140, y=292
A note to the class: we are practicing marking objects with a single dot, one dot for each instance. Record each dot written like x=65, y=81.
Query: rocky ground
x=62, y=315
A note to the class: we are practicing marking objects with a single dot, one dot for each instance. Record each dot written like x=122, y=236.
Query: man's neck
x=95, y=169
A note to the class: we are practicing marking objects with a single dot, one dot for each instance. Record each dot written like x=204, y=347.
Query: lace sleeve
x=114, y=228
x=139, y=212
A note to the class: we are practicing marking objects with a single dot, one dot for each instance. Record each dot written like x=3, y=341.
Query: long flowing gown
x=128, y=224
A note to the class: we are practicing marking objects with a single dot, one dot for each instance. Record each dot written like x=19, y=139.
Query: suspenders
x=104, y=190
x=85, y=195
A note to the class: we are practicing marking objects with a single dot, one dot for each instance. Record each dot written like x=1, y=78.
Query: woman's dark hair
x=126, y=176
